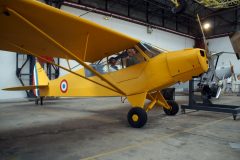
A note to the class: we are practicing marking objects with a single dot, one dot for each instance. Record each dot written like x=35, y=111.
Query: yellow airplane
x=34, y=28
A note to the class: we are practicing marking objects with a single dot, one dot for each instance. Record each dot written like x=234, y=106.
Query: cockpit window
x=150, y=49
x=118, y=61
x=130, y=57
x=106, y=65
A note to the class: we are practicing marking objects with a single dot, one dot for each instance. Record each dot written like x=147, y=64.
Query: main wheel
x=137, y=117
x=174, y=110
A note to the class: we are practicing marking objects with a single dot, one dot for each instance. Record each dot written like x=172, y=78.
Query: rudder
x=40, y=78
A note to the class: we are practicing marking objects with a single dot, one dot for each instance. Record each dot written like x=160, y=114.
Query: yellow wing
x=87, y=40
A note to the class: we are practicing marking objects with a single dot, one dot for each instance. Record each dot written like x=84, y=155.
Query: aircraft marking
x=64, y=86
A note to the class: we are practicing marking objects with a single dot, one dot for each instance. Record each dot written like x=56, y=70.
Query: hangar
x=176, y=63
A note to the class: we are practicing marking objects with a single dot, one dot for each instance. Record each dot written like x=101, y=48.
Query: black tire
x=141, y=115
x=174, y=110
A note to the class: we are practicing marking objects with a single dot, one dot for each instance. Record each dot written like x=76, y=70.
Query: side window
x=114, y=63
x=107, y=64
x=130, y=57
x=97, y=67
x=118, y=61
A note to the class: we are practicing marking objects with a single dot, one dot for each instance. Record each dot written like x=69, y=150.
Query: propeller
x=204, y=37
x=209, y=56
x=211, y=73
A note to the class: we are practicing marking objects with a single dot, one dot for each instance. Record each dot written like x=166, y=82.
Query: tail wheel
x=137, y=117
x=174, y=108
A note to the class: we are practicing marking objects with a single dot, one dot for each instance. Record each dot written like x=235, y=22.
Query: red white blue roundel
x=64, y=86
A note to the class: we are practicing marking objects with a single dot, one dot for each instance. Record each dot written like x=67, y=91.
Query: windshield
x=150, y=49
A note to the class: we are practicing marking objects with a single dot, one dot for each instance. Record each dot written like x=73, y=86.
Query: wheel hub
x=135, y=117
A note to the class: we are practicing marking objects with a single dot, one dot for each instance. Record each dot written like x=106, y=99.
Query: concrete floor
x=97, y=129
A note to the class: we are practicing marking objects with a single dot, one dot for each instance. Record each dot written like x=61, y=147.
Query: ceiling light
x=106, y=18
x=206, y=26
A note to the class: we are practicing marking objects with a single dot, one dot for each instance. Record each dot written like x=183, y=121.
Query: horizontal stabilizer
x=23, y=88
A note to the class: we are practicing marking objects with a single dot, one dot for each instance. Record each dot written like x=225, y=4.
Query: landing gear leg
x=137, y=116
x=169, y=107
x=41, y=101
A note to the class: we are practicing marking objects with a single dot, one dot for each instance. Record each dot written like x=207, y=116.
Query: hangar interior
x=96, y=128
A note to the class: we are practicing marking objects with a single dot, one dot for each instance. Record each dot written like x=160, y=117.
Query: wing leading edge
x=26, y=29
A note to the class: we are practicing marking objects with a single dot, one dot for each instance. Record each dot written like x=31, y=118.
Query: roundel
x=64, y=86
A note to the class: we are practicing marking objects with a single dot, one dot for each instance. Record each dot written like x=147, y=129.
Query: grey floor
x=97, y=128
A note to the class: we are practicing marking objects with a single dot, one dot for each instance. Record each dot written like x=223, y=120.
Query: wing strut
x=62, y=67
x=68, y=52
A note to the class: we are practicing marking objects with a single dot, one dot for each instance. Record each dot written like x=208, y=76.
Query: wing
x=25, y=23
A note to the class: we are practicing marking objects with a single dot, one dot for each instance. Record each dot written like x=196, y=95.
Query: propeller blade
x=204, y=37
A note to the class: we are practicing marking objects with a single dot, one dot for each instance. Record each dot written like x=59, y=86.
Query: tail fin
x=39, y=78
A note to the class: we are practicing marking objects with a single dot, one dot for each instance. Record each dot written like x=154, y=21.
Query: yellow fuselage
x=156, y=73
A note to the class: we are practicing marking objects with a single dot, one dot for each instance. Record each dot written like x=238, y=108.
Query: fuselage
x=156, y=73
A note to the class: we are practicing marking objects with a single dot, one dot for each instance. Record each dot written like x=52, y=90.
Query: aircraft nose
x=202, y=56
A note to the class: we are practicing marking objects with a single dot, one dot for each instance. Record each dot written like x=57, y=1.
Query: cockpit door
x=128, y=73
